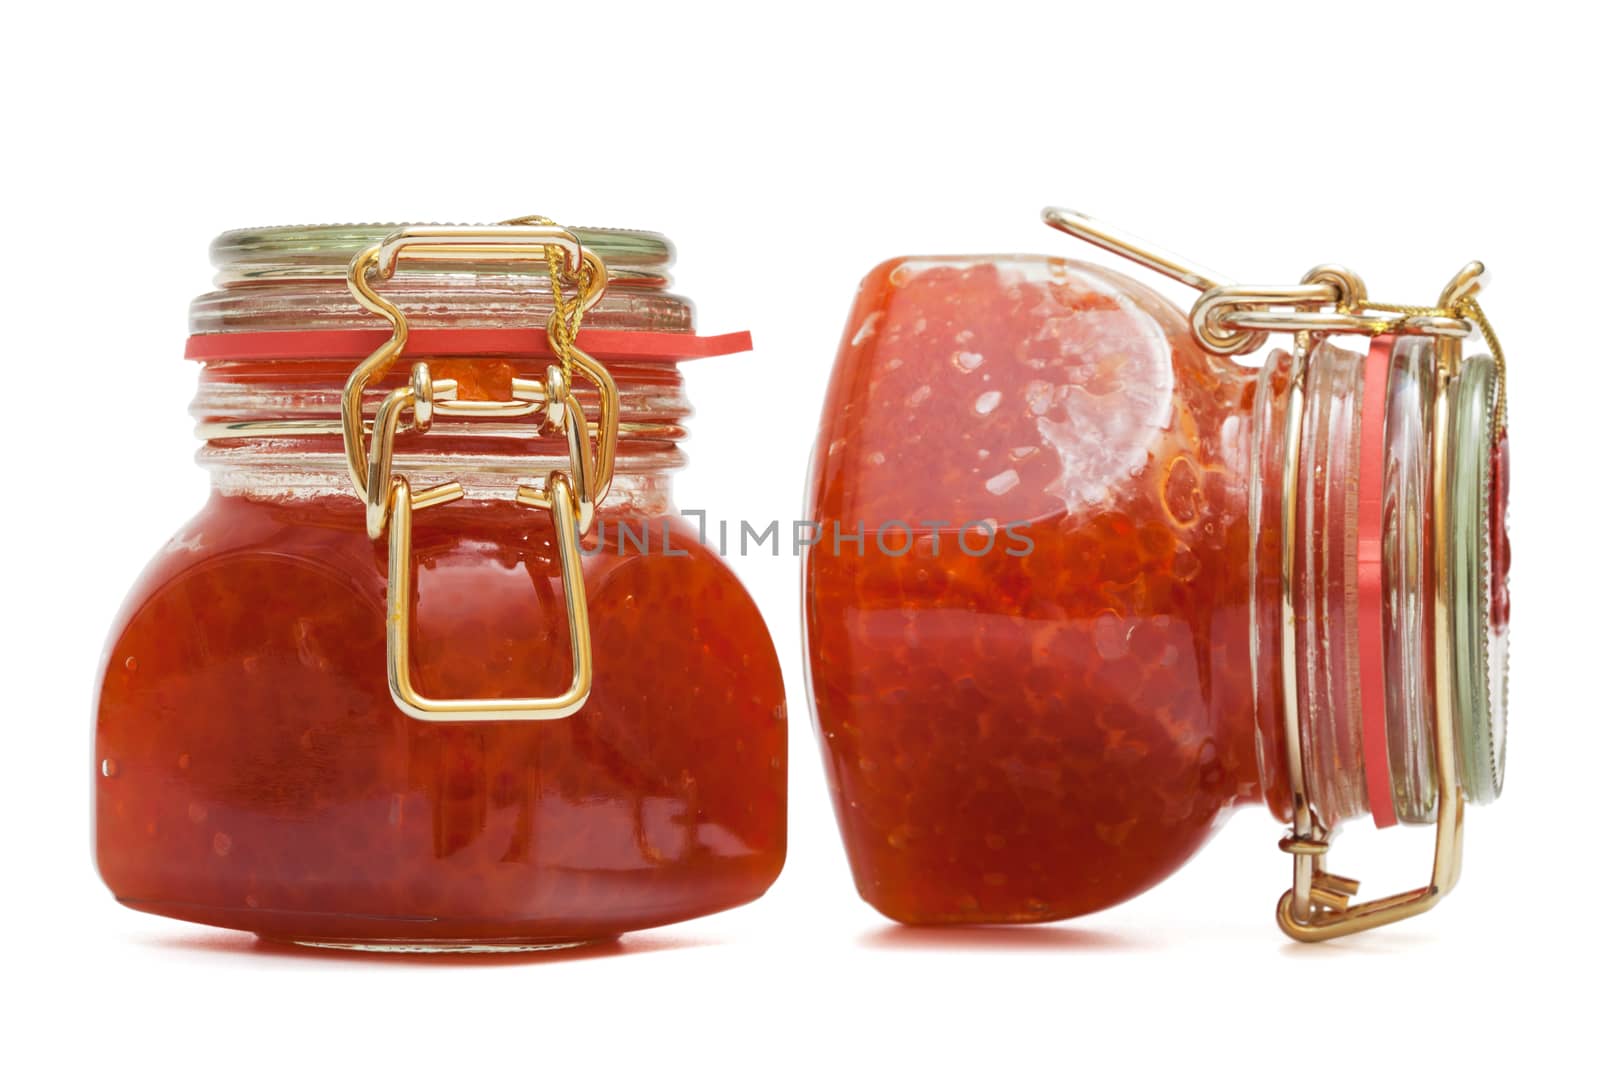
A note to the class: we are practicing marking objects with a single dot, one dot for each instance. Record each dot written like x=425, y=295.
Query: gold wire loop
x=506, y=243
x=1215, y=317
x=555, y=391
x=606, y=443
x=1466, y=285
x=1120, y=242
x=421, y=394
x=571, y=496
x=1299, y=846
x=422, y=390
x=1263, y=323
x=1349, y=291
x=563, y=513
x=1215, y=336
x=579, y=477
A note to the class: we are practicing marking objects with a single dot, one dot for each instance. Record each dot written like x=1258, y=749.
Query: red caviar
x=1020, y=735
x=253, y=772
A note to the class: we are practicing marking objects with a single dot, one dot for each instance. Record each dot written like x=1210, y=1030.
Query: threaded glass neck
x=270, y=425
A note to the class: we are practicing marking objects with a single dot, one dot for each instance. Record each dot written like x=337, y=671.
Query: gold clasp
x=570, y=496
x=1232, y=320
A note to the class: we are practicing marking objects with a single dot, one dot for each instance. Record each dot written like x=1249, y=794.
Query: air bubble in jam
x=868, y=325
x=1003, y=482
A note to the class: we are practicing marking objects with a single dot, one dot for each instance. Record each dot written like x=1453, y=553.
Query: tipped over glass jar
x=1085, y=584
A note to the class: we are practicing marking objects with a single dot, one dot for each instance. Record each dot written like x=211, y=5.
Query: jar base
x=390, y=934
x=435, y=947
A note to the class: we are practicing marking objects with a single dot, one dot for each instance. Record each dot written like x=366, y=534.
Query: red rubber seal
x=354, y=345
x=1369, y=577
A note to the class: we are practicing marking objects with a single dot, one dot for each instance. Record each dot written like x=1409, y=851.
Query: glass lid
x=277, y=252
x=1479, y=560
x=293, y=278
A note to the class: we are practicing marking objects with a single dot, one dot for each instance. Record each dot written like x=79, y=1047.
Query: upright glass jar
x=255, y=768
x=1056, y=627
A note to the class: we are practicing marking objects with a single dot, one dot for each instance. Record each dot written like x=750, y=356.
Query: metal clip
x=1231, y=319
x=570, y=496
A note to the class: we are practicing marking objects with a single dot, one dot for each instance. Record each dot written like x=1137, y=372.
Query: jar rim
x=266, y=253
x=275, y=278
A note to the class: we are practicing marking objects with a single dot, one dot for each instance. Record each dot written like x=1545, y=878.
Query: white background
x=788, y=148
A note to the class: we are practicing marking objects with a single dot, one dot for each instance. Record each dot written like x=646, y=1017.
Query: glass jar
x=255, y=768
x=1051, y=589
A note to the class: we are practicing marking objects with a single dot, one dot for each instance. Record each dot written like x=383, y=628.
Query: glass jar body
x=1052, y=725
x=253, y=771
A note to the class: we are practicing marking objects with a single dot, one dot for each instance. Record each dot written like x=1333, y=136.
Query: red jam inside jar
x=252, y=770
x=1040, y=729
x=1044, y=608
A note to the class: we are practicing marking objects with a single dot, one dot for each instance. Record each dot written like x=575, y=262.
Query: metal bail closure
x=1230, y=319
x=570, y=496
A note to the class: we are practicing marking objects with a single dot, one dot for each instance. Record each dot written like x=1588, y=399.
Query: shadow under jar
x=252, y=770
x=1045, y=607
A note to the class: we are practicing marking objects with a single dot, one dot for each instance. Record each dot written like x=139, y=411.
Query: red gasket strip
x=1369, y=571
x=355, y=345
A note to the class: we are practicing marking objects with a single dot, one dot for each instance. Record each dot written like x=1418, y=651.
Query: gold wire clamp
x=1228, y=320
x=570, y=496
x=1317, y=907
x=1231, y=319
